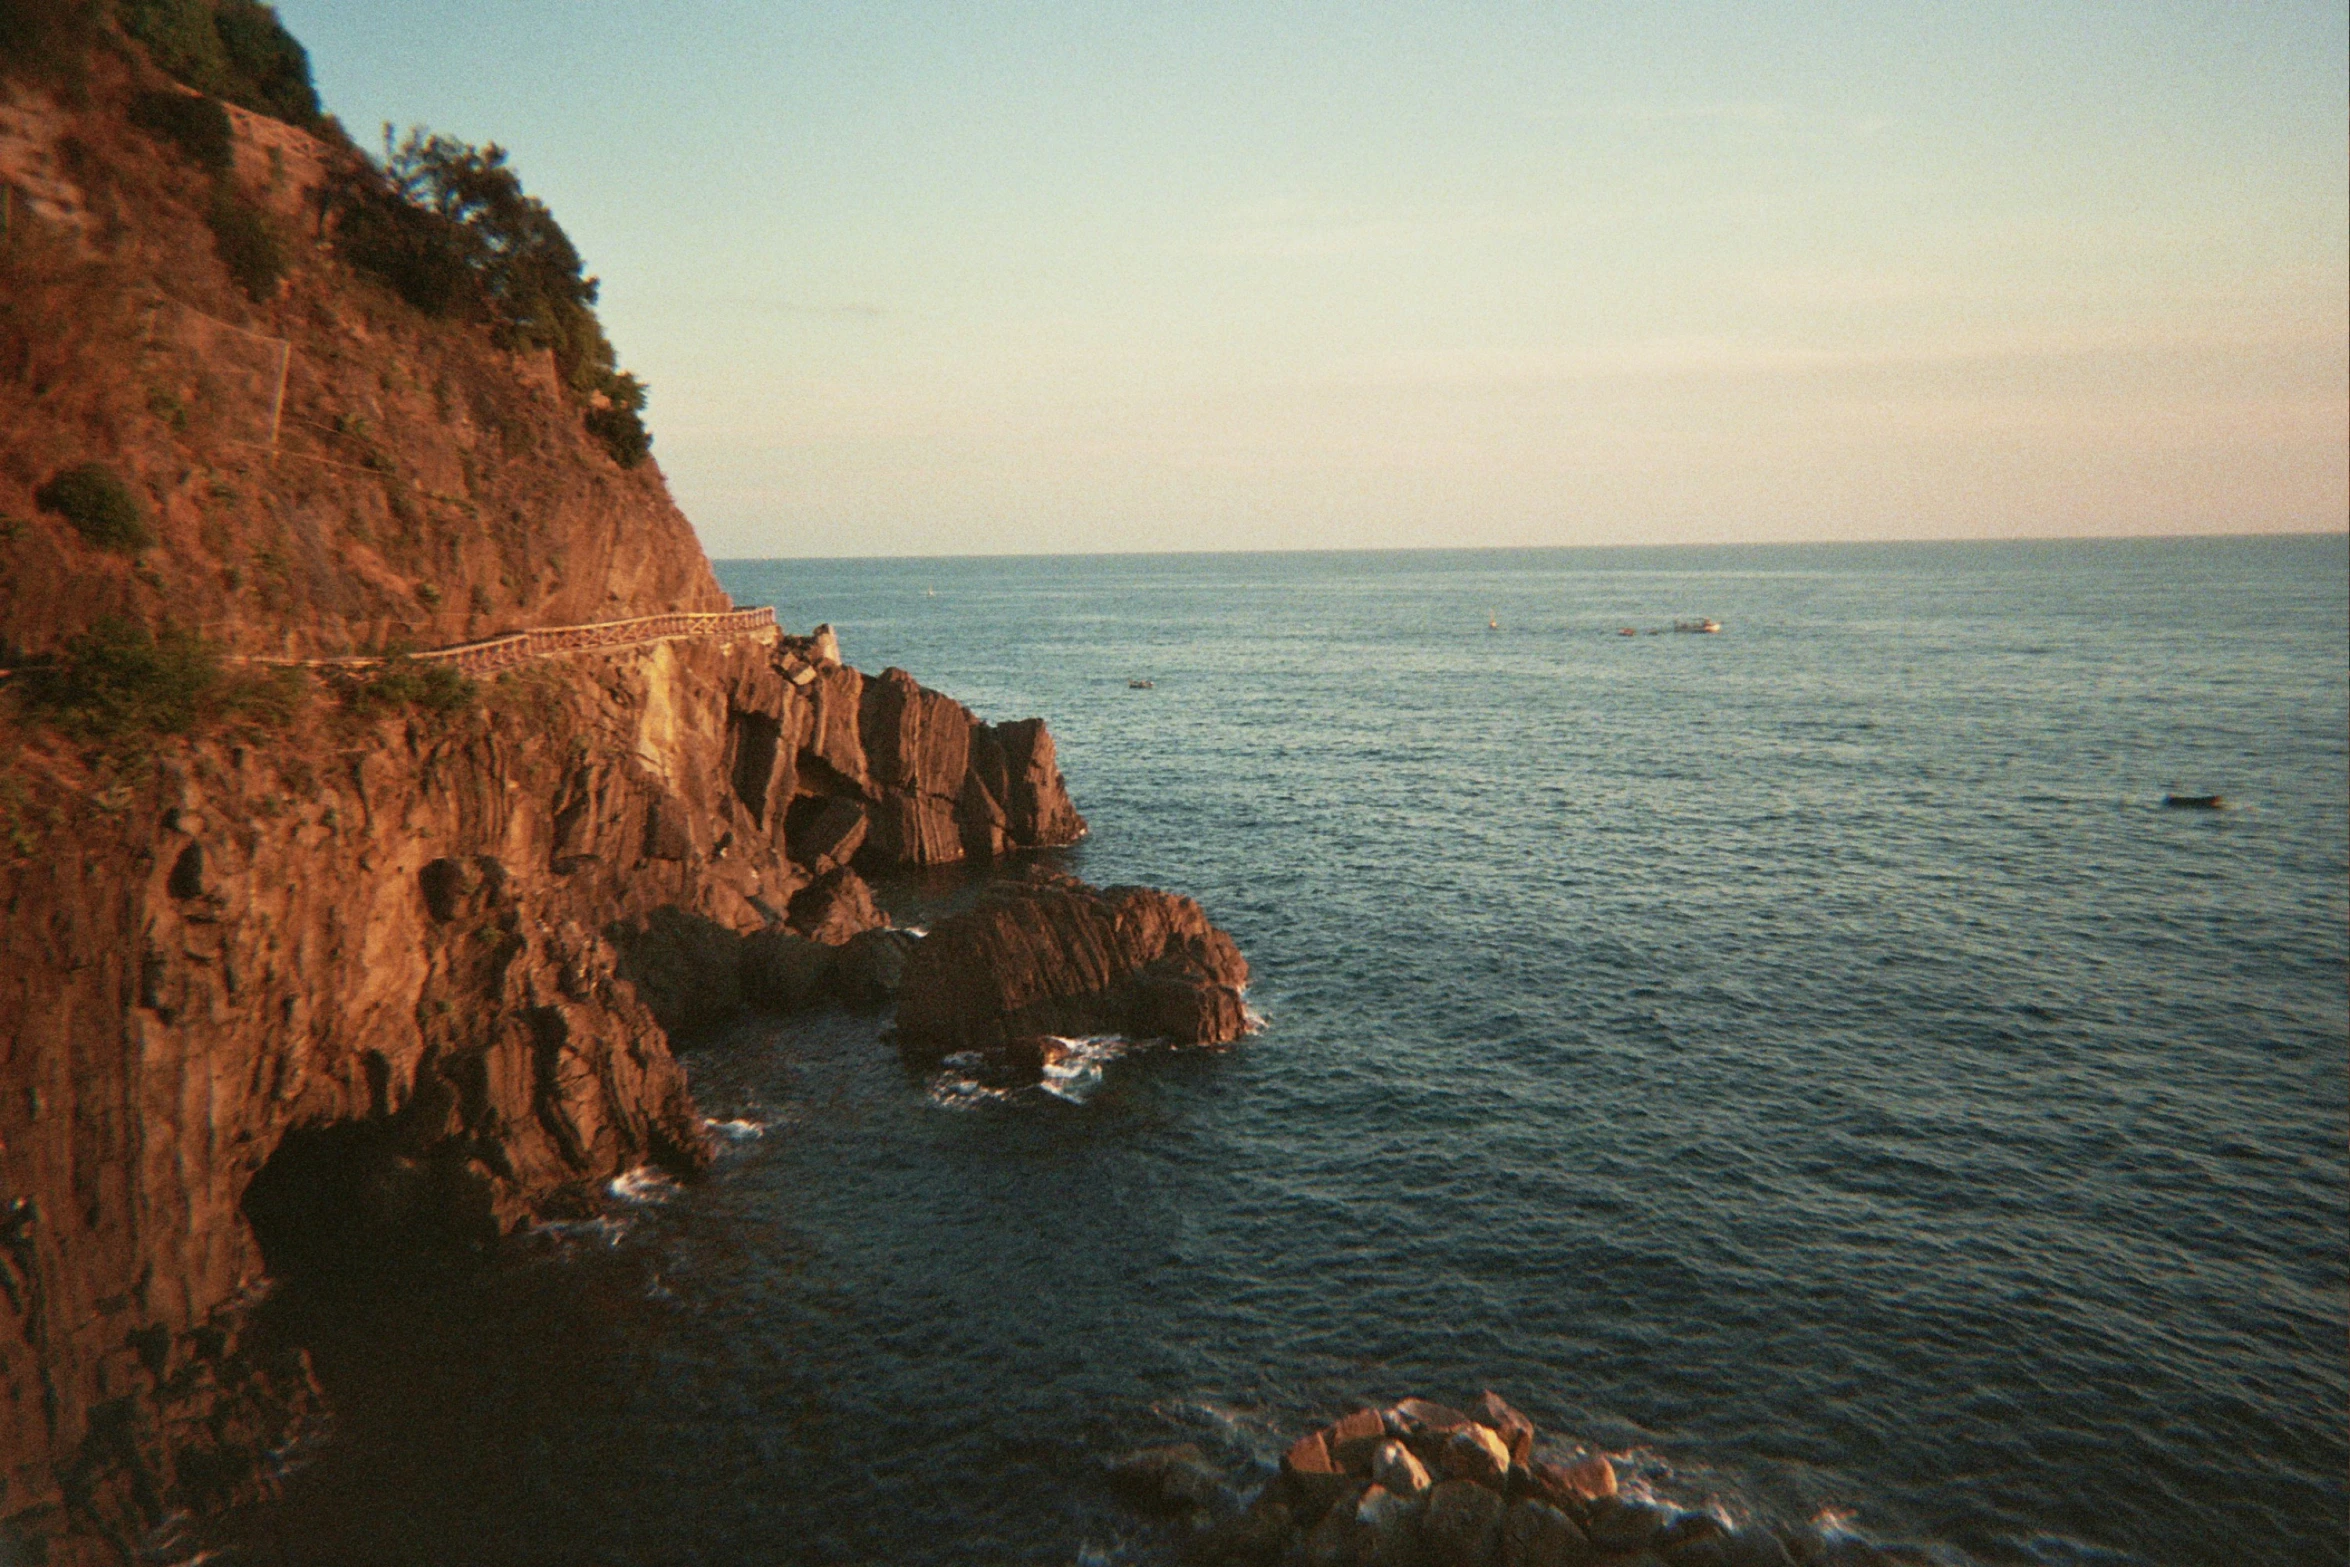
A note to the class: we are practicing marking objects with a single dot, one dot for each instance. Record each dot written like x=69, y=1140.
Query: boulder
x=1418, y=1417
x=1394, y=1467
x=1312, y=1479
x=1387, y=1529
x=1477, y=1452
x=913, y=829
x=834, y=907
x=916, y=740
x=1574, y=1485
x=1536, y=1534
x=1332, y=1542
x=1463, y=1525
x=1037, y=809
x=782, y=972
x=1048, y=954
x=1355, y=1438
x=867, y=969
x=686, y=969
x=1621, y=1526
x=1517, y=1432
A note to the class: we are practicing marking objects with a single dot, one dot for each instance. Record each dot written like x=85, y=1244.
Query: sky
x=939, y=279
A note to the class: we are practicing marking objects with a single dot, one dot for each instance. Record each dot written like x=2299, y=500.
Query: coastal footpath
x=317, y=944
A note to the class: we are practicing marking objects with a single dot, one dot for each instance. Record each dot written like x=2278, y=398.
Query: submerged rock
x=1174, y=1479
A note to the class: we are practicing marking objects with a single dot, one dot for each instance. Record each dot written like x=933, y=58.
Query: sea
x=1807, y=1061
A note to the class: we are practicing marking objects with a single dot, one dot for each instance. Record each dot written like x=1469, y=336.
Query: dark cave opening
x=349, y=1198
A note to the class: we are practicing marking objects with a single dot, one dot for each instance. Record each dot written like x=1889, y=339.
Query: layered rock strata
x=388, y=982
x=290, y=985
x=1046, y=954
x=1423, y=1485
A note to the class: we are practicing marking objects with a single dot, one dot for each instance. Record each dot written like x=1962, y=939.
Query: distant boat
x=1627, y=632
x=1493, y=622
x=1702, y=627
x=1142, y=685
x=2196, y=802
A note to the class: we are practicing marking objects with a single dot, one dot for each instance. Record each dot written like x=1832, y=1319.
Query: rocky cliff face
x=325, y=470
x=355, y=977
x=364, y=983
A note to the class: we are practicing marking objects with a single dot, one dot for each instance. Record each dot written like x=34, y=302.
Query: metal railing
x=493, y=654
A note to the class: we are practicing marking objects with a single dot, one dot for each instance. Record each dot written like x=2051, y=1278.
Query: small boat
x=2196, y=802
x=1701, y=626
x=1142, y=685
x=1627, y=632
x=1493, y=622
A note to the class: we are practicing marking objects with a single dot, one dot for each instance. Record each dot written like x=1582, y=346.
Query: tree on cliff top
x=232, y=49
x=449, y=227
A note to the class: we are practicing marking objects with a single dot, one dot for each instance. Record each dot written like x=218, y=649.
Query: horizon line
x=2342, y=533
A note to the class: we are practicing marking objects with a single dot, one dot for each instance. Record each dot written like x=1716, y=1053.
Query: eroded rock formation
x=403, y=979
x=1047, y=954
x=358, y=973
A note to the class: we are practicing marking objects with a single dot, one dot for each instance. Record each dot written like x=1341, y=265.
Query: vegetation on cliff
x=449, y=228
x=233, y=49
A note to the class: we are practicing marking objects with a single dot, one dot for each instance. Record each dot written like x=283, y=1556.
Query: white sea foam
x=602, y=1230
x=1074, y=1078
x=643, y=1185
x=740, y=1129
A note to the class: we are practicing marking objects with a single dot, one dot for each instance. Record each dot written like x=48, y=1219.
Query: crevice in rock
x=756, y=740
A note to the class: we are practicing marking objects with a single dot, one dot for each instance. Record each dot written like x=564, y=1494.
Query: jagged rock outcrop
x=1047, y=954
x=404, y=979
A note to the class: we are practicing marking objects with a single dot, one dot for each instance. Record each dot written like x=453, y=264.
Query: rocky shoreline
x=1419, y=1484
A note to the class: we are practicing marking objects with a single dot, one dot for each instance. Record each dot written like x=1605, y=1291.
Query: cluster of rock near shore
x=999, y=987
x=1423, y=1485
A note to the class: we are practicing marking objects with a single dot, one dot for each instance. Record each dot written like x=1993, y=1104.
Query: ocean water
x=1808, y=1062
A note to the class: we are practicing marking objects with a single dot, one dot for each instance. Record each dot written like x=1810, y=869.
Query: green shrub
x=247, y=243
x=402, y=681
x=621, y=426
x=268, y=70
x=197, y=126
x=118, y=680
x=49, y=39
x=101, y=507
x=272, y=696
x=238, y=51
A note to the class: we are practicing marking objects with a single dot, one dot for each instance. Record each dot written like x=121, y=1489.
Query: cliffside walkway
x=493, y=654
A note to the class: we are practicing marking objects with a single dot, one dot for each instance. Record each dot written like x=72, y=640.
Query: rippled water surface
x=1807, y=1059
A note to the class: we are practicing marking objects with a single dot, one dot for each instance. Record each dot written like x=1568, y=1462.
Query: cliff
x=349, y=961
x=325, y=469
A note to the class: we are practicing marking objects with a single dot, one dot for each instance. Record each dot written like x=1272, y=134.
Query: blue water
x=1808, y=1061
